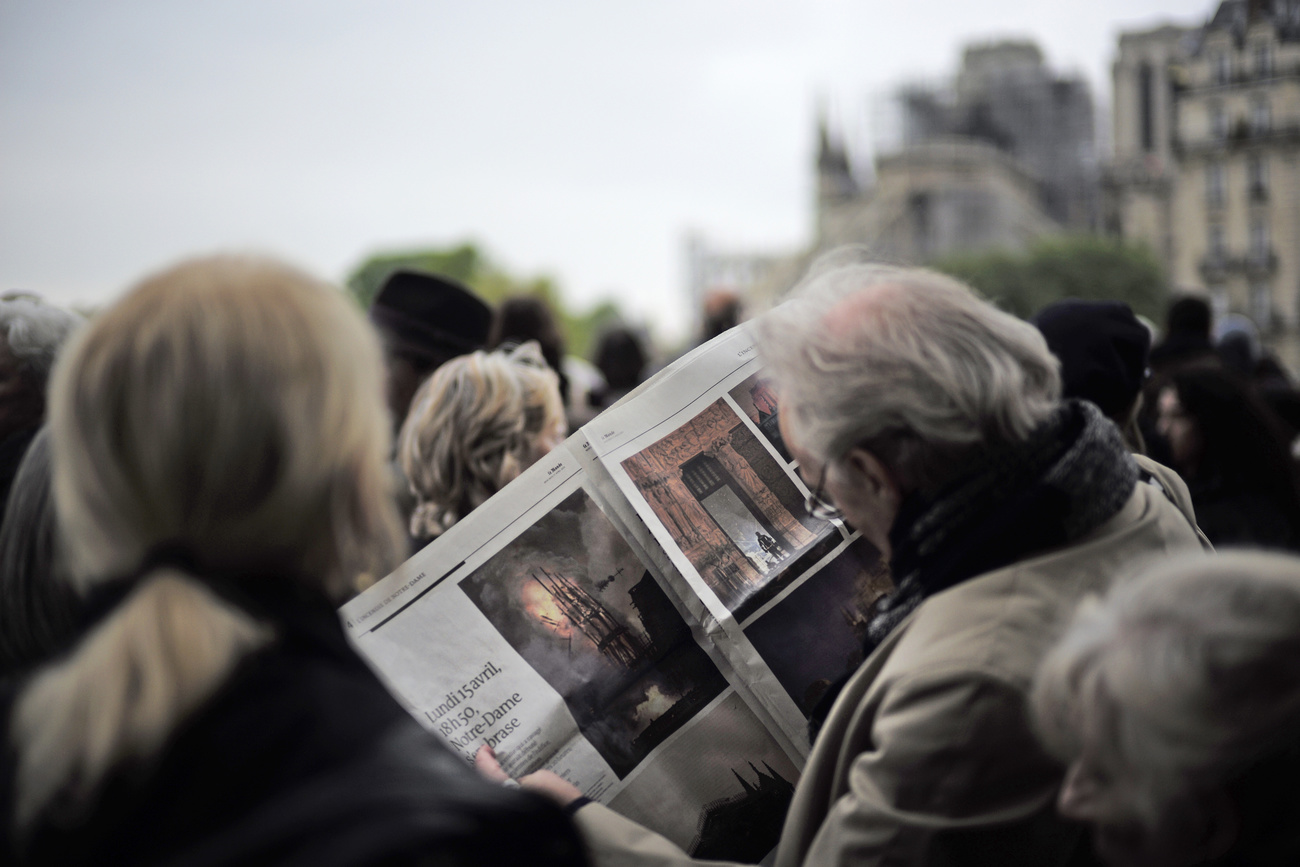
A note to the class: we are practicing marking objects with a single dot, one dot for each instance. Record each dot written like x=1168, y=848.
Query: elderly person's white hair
x=1182, y=686
x=906, y=362
x=35, y=330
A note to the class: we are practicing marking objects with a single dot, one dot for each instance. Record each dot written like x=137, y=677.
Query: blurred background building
x=1002, y=155
x=1204, y=169
x=1207, y=135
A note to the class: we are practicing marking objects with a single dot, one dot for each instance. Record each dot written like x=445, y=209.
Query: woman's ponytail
x=123, y=689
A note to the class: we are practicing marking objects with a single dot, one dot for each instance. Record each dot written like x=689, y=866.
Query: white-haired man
x=31, y=333
x=932, y=422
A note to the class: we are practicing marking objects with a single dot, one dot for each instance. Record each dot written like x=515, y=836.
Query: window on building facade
x=1261, y=116
x=1222, y=63
x=1146, y=107
x=1263, y=61
x=1218, y=121
x=1259, y=238
x=1218, y=247
x=1257, y=177
x=1219, y=300
x=1214, y=184
x=1261, y=304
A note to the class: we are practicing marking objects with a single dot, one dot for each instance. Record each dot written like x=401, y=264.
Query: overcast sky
x=575, y=138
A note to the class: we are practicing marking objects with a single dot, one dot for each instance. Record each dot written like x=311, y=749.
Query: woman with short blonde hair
x=219, y=443
x=479, y=421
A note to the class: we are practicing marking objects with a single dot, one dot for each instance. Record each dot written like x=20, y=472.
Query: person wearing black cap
x=1187, y=336
x=425, y=321
x=1103, y=350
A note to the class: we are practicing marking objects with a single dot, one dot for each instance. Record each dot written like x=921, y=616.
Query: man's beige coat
x=927, y=756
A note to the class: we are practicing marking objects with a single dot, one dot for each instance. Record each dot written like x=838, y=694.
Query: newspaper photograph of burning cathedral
x=573, y=599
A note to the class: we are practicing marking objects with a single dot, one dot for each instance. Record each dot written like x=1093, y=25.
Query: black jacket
x=301, y=758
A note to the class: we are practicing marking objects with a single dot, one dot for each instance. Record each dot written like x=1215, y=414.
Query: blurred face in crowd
x=1190, y=830
x=403, y=378
x=859, y=487
x=1180, y=429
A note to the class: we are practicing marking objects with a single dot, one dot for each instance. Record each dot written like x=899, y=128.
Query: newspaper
x=649, y=611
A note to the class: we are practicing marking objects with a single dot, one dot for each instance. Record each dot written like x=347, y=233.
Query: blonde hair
x=474, y=425
x=231, y=405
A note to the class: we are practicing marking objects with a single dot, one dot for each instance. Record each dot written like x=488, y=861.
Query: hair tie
x=178, y=554
x=103, y=598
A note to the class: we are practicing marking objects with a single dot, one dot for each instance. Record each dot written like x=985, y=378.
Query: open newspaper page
x=591, y=618
x=700, y=461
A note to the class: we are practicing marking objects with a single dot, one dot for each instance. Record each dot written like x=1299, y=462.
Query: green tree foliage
x=467, y=264
x=1085, y=267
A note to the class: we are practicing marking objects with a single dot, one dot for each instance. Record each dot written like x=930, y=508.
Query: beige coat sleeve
x=950, y=772
x=1172, y=486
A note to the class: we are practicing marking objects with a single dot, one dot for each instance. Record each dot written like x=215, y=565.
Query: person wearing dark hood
x=932, y=423
x=424, y=321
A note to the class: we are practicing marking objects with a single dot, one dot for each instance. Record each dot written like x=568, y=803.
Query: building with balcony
x=1206, y=166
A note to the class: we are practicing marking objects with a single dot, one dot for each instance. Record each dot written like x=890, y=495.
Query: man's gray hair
x=35, y=330
x=1182, y=681
x=907, y=363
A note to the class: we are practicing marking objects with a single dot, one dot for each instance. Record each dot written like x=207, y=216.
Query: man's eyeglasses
x=816, y=503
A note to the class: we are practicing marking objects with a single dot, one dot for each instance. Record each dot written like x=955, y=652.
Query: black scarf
x=1071, y=475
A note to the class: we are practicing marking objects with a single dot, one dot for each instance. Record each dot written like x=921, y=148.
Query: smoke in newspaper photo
x=731, y=508
x=579, y=606
x=814, y=636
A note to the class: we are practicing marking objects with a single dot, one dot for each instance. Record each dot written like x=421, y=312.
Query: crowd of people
x=1090, y=654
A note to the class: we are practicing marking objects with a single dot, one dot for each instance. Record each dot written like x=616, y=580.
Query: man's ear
x=871, y=473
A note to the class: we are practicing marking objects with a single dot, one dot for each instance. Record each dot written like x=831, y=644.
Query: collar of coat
x=1071, y=475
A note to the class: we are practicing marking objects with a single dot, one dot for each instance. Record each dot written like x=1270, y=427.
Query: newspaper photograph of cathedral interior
x=574, y=600
x=731, y=508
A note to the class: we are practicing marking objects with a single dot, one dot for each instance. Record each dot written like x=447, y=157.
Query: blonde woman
x=478, y=422
x=219, y=443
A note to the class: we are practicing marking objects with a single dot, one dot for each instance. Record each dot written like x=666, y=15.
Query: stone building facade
x=995, y=159
x=998, y=157
x=1206, y=167
x=943, y=196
